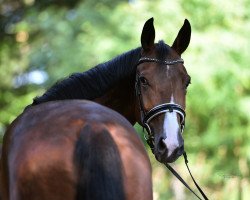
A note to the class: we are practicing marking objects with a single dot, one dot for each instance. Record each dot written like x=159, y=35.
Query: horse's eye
x=143, y=80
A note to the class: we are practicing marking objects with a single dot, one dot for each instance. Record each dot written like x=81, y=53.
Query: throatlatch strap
x=183, y=182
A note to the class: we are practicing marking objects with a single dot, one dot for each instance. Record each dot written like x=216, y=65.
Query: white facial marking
x=171, y=128
x=168, y=70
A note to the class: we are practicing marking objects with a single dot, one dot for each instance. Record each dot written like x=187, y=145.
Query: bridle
x=146, y=117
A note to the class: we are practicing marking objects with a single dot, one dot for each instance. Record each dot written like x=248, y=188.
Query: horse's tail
x=99, y=166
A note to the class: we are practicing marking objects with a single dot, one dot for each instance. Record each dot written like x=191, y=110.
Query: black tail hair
x=99, y=166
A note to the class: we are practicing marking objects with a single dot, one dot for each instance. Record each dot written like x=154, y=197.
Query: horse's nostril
x=162, y=147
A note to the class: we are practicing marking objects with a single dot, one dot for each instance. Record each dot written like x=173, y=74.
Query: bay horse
x=69, y=147
x=143, y=85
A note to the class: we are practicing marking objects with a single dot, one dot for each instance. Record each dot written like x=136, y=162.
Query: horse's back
x=73, y=150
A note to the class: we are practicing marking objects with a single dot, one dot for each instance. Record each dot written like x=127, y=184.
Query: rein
x=146, y=117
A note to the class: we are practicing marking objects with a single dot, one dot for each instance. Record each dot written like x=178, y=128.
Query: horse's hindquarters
x=74, y=150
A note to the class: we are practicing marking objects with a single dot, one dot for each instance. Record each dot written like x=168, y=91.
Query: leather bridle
x=146, y=117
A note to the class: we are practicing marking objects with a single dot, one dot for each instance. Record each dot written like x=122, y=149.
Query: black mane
x=97, y=81
x=94, y=82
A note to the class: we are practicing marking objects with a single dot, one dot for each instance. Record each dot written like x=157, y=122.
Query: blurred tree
x=43, y=41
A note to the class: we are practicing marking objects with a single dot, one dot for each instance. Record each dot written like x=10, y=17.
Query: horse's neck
x=122, y=99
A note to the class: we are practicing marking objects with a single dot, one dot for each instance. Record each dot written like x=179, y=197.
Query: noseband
x=146, y=117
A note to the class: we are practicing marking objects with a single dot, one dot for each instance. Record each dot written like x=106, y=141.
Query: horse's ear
x=183, y=38
x=148, y=35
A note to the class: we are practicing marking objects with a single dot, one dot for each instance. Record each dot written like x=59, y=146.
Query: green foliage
x=66, y=39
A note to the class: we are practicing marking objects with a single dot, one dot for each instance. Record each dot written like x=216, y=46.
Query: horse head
x=161, y=86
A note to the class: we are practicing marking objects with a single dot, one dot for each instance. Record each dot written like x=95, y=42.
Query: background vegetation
x=43, y=41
